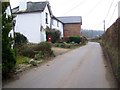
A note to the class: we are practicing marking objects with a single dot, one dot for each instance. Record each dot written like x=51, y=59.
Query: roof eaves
x=28, y=12
x=56, y=18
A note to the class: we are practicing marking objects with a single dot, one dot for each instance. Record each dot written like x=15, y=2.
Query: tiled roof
x=71, y=19
x=32, y=7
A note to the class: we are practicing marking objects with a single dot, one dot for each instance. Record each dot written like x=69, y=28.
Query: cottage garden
x=24, y=54
x=29, y=54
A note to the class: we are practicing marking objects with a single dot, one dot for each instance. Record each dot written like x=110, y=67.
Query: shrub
x=8, y=61
x=26, y=50
x=66, y=39
x=20, y=39
x=75, y=39
x=43, y=46
x=55, y=34
x=8, y=54
x=36, y=51
x=39, y=55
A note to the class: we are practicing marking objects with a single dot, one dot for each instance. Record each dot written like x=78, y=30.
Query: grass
x=22, y=60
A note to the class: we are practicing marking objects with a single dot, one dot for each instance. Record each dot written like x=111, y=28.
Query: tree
x=8, y=54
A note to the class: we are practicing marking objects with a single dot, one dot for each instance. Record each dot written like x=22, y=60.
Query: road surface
x=83, y=67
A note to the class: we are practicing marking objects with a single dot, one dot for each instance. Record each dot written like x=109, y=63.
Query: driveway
x=83, y=67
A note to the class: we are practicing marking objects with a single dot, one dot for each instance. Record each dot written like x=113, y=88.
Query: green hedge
x=75, y=39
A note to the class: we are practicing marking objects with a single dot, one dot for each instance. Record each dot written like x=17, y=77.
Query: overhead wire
x=109, y=9
x=96, y=5
x=112, y=14
x=78, y=5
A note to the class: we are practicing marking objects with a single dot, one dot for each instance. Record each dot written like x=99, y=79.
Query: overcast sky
x=93, y=12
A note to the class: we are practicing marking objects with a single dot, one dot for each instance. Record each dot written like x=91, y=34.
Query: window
x=52, y=22
x=57, y=23
x=46, y=19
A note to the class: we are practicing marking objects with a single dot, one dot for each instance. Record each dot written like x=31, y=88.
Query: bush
x=54, y=34
x=75, y=39
x=44, y=46
x=8, y=61
x=39, y=55
x=26, y=50
x=40, y=50
x=66, y=39
x=20, y=39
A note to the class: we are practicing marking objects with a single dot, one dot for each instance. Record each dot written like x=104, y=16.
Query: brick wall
x=72, y=30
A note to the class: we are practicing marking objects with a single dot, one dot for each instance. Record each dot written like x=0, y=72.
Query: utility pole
x=104, y=25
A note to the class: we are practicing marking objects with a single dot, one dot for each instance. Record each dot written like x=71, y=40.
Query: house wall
x=72, y=30
x=44, y=18
x=29, y=24
x=58, y=27
x=33, y=25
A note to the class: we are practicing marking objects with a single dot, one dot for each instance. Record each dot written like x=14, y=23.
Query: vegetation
x=111, y=45
x=22, y=59
x=20, y=39
x=40, y=50
x=54, y=34
x=71, y=42
x=75, y=39
x=8, y=54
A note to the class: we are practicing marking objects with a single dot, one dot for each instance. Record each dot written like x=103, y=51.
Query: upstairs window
x=46, y=19
x=57, y=23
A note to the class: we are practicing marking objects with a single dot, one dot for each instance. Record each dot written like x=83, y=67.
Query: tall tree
x=8, y=55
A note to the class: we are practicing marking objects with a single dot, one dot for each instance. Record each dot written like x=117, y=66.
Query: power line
x=112, y=14
x=96, y=5
x=109, y=9
x=76, y=6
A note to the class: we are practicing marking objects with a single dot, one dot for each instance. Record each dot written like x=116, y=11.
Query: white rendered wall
x=58, y=27
x=44, y=18
x=29, y=24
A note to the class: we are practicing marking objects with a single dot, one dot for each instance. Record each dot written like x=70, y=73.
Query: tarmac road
x=83, y=67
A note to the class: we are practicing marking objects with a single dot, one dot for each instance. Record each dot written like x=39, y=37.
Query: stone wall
x=111, y=44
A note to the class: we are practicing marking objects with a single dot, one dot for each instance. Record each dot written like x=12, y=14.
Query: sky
x=93, y=12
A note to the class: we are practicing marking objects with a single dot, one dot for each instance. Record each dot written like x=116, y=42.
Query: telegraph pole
x=104, y=25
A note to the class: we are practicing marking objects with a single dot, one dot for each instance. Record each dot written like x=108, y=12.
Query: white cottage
x=33, y=19
x=57, y=24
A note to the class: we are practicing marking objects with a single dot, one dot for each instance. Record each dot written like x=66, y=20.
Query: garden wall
x=111, y=45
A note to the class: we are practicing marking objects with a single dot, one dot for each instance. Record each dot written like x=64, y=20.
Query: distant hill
x=92, y=33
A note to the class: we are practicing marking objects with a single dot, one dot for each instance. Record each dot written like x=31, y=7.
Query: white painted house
x=33, y=19
x=57, y=24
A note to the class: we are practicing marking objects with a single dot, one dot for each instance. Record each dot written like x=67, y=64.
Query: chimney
x=119, y=9
x=23, y=5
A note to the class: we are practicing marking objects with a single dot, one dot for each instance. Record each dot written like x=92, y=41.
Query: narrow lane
x=83, y=67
